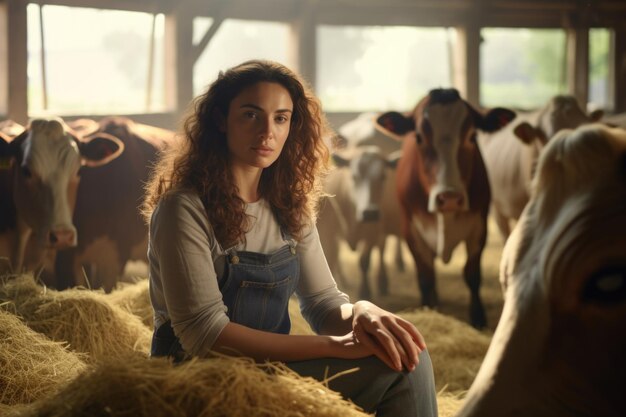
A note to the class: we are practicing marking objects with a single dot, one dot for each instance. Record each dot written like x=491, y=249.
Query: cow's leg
x=473, y=278
x=426, y=281
x=330, y=245
x=425, y=265
x=399, y=260
x=383, y=282
x=364, y=265
x=472, y=274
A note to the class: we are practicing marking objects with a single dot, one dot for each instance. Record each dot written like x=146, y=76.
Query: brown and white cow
x=38, y=185
x=559, y=348
x=442, y=186
x=511, y=154
x=111, y=229
x=361, y=208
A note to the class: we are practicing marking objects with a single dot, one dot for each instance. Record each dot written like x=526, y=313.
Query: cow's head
x=561, y=112
x=368, y=169
x=560, y=342
x=444, y=127
x=44, y=162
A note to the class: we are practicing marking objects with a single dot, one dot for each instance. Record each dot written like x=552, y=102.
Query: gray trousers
x=377, y=388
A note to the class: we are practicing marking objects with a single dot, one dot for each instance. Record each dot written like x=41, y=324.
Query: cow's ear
x=340, y=161
x=99, y=149
x=596, y=115
x=528, y=133
x=496, y=119
x=393, y=159
x=395, y=124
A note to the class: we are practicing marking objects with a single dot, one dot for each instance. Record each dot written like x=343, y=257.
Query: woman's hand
x=349, y=347
x=394, y=340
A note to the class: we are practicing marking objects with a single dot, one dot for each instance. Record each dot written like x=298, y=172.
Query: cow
x=511, y=154
x=363, y=131
x=111, y=228
x=442, y=186
x=360, y=208
x=558, y=349
x=39, y=177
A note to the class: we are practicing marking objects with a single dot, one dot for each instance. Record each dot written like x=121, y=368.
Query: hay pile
x=222, y=386
x=456, y=349
x=298, y=323
x=135, y=299
x=31, y=365
x=449, y=404
x=83, y=318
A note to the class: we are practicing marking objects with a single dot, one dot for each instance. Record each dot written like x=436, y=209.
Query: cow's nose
x=371, y=215
x=60, y=239
x=449, y=201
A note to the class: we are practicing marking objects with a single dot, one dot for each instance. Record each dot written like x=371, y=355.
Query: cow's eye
x=607, y=286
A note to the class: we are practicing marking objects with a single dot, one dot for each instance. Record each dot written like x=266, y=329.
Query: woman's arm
x=261, y=345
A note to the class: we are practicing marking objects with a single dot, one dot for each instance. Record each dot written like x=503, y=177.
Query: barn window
x=522, y=68
x=599, y=63
x=94, y=61
x=377, y=68
x=237, y=41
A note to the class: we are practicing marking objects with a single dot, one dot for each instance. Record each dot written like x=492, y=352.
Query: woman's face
x=258, y=124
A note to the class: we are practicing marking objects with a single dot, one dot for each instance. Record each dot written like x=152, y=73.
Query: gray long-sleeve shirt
x=187, y=262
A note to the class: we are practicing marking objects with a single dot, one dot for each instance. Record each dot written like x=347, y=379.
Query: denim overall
x=256, y=291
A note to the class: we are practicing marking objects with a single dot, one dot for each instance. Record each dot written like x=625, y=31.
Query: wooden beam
x=578, y=64
x=145, y=6
x=303, y=43
x=204, y=42
x=14, y=58
x=268, y=10
x=466, y=63
x=178, y=40
x=4, y=60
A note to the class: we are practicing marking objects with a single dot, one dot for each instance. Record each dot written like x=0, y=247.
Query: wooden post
x=13, y=61
x=578, y=64
x=466, y=63
x=303, y=42
x=178, y=60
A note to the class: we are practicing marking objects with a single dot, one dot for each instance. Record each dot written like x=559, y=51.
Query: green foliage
x=599, y=42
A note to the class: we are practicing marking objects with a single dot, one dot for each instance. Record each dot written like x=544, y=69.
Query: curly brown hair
x=292, y=185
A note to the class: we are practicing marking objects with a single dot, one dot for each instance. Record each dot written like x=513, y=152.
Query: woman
x=232, y=236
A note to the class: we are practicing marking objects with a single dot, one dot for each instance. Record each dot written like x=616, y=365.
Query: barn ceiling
x=523, y=13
